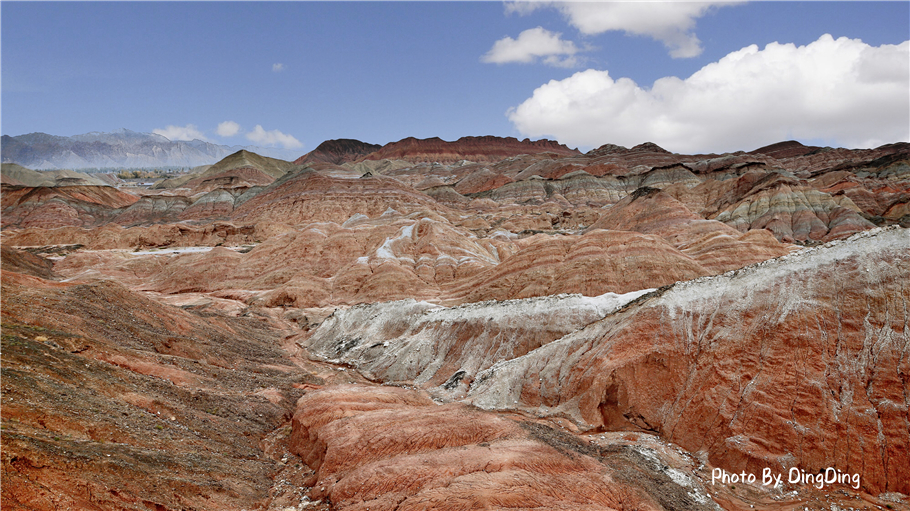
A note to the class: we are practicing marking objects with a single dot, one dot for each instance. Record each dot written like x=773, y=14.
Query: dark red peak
x=788, y=149
x=607, y=149
x=338, y=151
x=648, y=147
x=346, y=145
x=550, y=144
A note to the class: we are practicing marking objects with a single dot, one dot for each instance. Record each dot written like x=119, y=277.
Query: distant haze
x=122, y=148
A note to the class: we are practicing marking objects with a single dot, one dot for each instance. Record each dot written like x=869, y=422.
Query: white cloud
x=670, y=22
x=273, y=137
x=532, y=44
x=277, y=67
x=186, y=133
x=840, y=90
x=228, y=129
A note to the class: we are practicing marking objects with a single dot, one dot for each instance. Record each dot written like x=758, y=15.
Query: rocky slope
x=794, y=362
x=115, y=401
x=797, y=361
x=447, y=347
x=51, y=207
x=364, y=445
x=242, y=169
x=15, y=174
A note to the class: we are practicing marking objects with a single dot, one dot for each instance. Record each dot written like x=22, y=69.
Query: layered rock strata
x=795, y=362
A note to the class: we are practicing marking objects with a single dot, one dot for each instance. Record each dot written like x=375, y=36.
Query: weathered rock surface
x=715, y=245
x=481, y=181
x=242, y=169
x=338, y=151
x=153, y=209
x=795, y=362
x=20, y=261
x=113, y=236
x=384, y=449
x=599, y=262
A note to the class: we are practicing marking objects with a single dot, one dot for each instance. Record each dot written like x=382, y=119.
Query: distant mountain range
x=122, y=148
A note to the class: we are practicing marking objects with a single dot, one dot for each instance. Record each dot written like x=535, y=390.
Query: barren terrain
x=480, y=324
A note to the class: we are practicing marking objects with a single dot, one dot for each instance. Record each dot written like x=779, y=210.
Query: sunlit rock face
x=387, y=448
x=795, y=361
x=338, y=151
x=50, y=207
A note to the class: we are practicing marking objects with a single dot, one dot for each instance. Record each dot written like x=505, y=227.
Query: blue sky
x=292, y=74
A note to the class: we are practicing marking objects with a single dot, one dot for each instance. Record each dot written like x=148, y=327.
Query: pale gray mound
x=410, y=341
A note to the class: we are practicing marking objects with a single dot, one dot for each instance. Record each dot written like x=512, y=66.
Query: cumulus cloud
x=531, y=45
x=277, y=67
x=228, y=129
x=274, y=137
x=670, y=22
x=185, y=133
x=841, y=90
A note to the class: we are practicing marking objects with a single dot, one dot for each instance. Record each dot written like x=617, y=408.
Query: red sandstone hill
x=788, y=149
x=338, y=151
x=241, y=169
x=797, y=361
x=50, y=207
x=309, y=195
x=476, y=149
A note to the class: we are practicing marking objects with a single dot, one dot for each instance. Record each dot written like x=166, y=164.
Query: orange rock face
x=390, y=448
